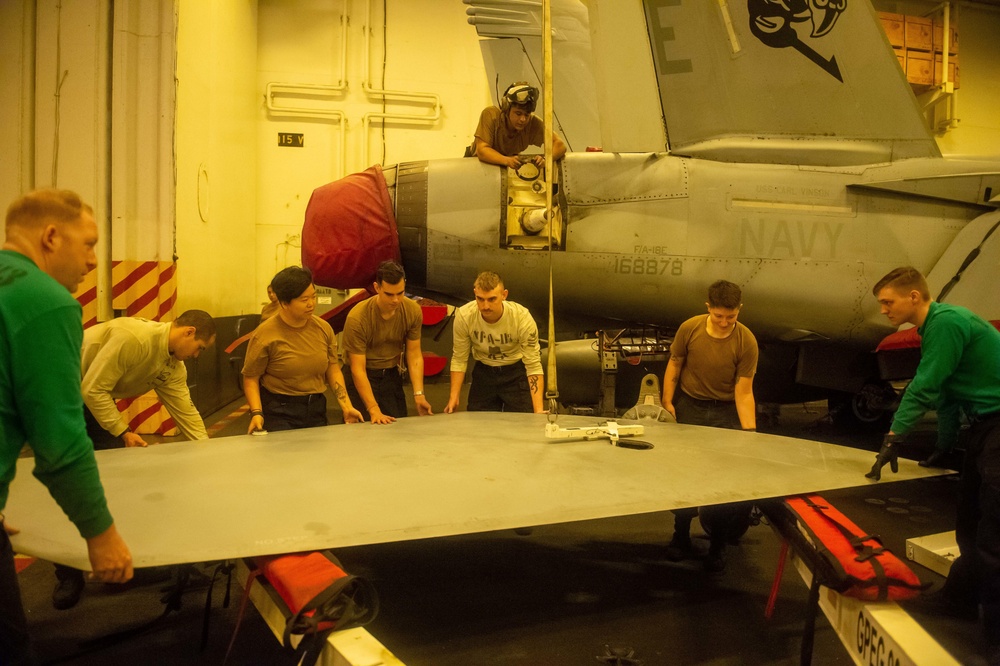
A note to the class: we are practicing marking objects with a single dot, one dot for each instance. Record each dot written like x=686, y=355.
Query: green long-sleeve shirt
x=959, y=369
x=41, y=329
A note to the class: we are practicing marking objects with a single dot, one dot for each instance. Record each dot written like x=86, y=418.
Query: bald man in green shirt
x=49, y=248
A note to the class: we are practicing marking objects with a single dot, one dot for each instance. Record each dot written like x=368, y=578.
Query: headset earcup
x=504, y=100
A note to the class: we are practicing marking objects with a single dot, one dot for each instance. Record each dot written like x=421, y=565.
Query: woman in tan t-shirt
x=291, y=359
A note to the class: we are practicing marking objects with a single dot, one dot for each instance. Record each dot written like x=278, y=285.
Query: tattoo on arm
x=533, y=383
x=679, y=365
x=339, y=391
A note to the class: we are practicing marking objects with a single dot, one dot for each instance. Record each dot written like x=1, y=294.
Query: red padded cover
x=433, y=313
x=299, y=577
x=906, y=339
x=349, y=229
x=434, y=364
x=866, y=570
x=909, y=338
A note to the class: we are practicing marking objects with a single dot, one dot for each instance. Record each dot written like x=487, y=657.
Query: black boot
x=680, y=547
x=68, y=588
x=715, y=561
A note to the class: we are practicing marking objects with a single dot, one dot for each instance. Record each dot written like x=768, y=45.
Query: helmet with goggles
x=520, y=94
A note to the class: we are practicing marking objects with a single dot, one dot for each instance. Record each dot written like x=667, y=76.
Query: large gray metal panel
x=349, y=485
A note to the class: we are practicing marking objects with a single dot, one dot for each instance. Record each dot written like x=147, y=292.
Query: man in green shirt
x=49, y=248
x=959, y=370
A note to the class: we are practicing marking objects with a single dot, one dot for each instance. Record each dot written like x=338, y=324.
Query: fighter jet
x=777, y=145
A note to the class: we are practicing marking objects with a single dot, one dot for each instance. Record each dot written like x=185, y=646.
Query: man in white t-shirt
x=503, y=339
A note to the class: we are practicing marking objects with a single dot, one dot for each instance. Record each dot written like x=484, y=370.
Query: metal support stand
x=609, y=375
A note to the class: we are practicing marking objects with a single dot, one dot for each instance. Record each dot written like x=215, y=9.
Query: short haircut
x=904, y=280
x=289, y=283
x=724, y=294
x=487, y=281
x=389, y=272
x=204, y=325
x=34, y=208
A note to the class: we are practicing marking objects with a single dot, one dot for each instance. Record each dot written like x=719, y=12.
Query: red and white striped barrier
x=145, y=289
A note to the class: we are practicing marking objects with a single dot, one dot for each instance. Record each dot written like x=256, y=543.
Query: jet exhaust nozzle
x=349, y=229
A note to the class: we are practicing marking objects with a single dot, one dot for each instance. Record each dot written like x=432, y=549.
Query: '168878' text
x=633, y=265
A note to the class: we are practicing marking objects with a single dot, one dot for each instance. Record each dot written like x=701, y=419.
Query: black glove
x=889, y=453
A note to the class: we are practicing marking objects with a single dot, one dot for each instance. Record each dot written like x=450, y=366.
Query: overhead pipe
x=945, y=8
x=26, y=173
x=953, y=101
x=944, y=91
x=402, y=95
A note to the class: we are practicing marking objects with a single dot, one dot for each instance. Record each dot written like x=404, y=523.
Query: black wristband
x=256, y=412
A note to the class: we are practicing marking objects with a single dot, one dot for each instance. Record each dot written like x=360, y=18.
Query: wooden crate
x=938, y=40
x=919, y=33
x=901, y=58
x=919, y=68
x=893, y=24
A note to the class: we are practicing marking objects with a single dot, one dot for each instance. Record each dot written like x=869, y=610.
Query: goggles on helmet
x=522, y=95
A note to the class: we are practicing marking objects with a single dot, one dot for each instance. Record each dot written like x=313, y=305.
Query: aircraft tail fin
x=799, y=81
x=811, y=82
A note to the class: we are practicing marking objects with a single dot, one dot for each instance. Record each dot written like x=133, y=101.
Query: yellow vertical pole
x=552, y=386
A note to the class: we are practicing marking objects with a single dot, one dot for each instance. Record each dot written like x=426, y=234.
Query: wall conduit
x=316, y=91
x=432, y=99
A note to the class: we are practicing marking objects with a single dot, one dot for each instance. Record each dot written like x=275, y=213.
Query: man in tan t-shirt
x=713, y=359
x=378, y=334
x=504, y=133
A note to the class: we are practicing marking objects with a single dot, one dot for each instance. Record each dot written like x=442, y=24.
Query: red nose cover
x=349, y=230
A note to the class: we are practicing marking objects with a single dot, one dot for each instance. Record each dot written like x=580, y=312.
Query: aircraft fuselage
x=637, y=238
x=643, y=235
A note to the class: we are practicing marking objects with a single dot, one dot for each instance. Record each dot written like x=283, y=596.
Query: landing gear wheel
x=868, y=410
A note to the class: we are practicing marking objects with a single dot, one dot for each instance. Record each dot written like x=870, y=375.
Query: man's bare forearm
x=535, y=386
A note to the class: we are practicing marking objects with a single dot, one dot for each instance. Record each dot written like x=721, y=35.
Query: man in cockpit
x=504, y=132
